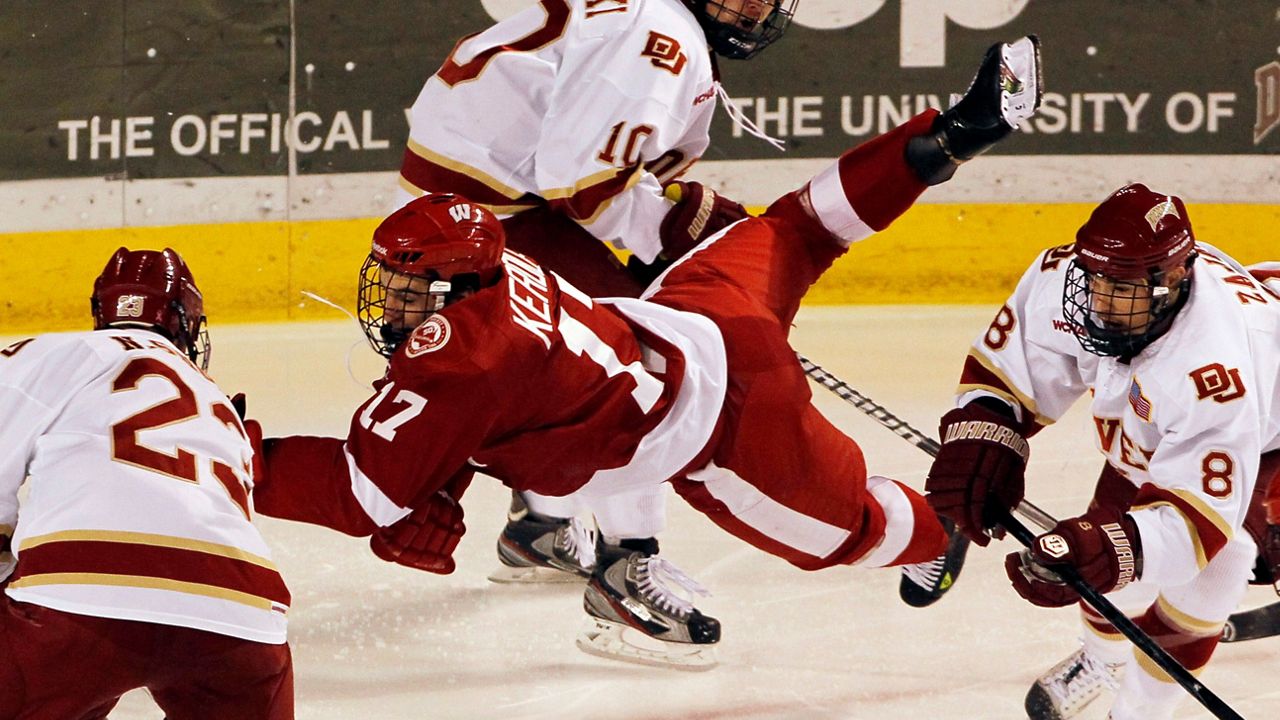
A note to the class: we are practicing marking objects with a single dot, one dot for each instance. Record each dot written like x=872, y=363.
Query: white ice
x=374, y=640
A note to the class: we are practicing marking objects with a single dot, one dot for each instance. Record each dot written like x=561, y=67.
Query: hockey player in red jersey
x=1176, y=345
x=499, y=366
x=602, y=104
x=134, y=562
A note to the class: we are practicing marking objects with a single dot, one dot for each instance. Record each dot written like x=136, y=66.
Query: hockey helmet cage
x=738, y=34
x=440, y=245
x=1133, y=240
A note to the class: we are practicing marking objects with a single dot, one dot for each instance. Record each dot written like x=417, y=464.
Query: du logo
x=1267, y=78
x=922, y=29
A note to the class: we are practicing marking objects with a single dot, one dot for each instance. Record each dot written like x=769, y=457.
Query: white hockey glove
x=1006, y=90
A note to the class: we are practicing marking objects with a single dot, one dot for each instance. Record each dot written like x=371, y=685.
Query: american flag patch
x=1139, y=402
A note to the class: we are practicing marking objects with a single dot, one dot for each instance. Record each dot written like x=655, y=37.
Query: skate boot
x=537, y=549
x=924, y=583
x=1071, y=685
x=638, y=611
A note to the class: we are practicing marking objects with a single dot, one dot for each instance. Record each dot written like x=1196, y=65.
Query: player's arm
x=311, y=480
x=1019, y=376
x=400, y=448
x=399, y=475
x=34, y=387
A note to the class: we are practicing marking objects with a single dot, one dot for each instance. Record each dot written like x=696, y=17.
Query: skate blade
x=622, y=642
x=533, y=575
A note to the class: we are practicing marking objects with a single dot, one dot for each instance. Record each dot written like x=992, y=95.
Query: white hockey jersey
x=139, y=484
x=1185, y=421
x=584, y=104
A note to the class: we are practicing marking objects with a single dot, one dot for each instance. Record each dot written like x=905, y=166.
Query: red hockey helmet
x=152, y=289
x=739, y=29
x=425, y=255
x=1136, y=233
x=1131, y=273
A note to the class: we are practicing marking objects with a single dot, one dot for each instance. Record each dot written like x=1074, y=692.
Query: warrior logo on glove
x=993, y=432
x=1124, y=553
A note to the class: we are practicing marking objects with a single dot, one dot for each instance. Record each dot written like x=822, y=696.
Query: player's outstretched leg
x=925, y=583
x=1069, y=686
x=536, y=548
x=640, y=609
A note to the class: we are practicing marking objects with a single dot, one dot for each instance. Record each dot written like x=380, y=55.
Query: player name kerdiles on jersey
x=139, y=505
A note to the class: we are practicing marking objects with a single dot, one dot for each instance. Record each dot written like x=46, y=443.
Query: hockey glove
x=253, y=431
x=1102, y=545
x=698, y=214
x=425, y=539
x=980, y=468
x=1006, y=90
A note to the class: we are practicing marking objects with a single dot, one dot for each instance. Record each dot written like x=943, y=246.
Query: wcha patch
x=429, y=336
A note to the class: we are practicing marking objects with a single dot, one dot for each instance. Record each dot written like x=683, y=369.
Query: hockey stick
x=900, y=427
x=1252, y=624
x=1121, y=622
x=1095, y=599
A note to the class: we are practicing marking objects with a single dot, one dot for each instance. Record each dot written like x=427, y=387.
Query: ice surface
x=373, y=640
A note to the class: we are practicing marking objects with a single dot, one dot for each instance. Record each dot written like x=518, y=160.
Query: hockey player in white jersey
x=1179, y=347
x=567, y=120
x=133, y=560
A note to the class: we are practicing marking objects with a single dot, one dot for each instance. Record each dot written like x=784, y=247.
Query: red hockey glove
x=1102, y=545
x=425, y=539
x=698, y=214
x=979, y=469
x=252, y=430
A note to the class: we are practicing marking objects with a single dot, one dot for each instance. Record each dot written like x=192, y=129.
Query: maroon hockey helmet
x=435, y=249
x=1136, y=233
x=732, y=28
x=1119, y=287
x=153, y=289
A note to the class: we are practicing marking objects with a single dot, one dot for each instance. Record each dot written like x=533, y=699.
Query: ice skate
x=1070, y=685
x=538, y=549
x=925, y=583
x=637, y=611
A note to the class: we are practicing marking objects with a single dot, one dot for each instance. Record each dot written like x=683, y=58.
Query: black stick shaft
x=900, y=427
x=1262, y=622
